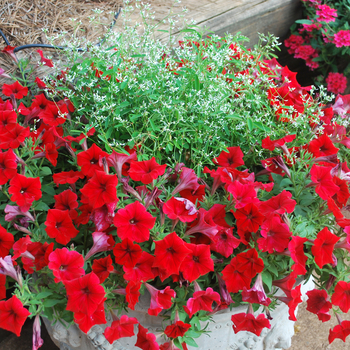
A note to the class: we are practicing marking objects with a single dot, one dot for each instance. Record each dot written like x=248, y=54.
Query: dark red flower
x=13, y=315
x=341, y=296
x=248, y=322
x=232, y=159
x=67, y=177
x=127, y=253
x=178, y=329
x=44, y=60
x=13, y=135
x=25, y=190
x=286, y=283
x=323, y=247
x=100, y=189
x=194, y=195
x=269, y=144
x=132, y=294
x=249, y=217
x=197, y=263
x=296, y=249
x=146, y=171
x=340, y=331
x=15, y=89
x=170, y=253
x=236, y=278
x=146, y=341
x=102, y=268
x=54, y=114
x=67, y=200
x=224, y=242
x=201, y=300
x=7, y=117
x=2, y=286
x=102, y=242
x=142, y=271
x=42, y=256
x=204, y=224
x=279, y=204
x=6, y=242
x=120, y=328
x=85, y=294
x=66, y=265
x=59, y=226
x=85, y=322
x=322, y=179
x=250, y=263
x=180, y=209
x=318, y=303
x=40, y=83
x=89, y=160
x=134, y=222
x=292, y=300
x=8, y=166
x=160, y=299
x=276, y=235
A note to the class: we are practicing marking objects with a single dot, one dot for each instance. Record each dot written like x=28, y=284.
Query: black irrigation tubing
x=46, y=46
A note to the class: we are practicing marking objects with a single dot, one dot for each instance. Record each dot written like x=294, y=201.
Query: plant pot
x=221, y=334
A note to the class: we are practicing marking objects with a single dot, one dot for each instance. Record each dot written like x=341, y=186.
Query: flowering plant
x=87, y=229
x=323, y=41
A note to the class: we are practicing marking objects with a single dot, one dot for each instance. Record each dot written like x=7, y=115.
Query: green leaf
x=51, y=302
x=250, y=124
x=303, y=21
x=49, y=190
x=233, y=116
x=45, y=171
x=41, y=206
x=190, y=341
x=42, y=295
x=267, y=279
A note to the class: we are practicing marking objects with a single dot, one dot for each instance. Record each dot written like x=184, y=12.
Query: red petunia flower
x=13, y=135
x=100, y=189
x=242, y=194
x=340, y=331
x=322, y=146
x=25, y=190
x=201, y=300
x=248, y=322
x=67, y=200
x=40, y=83
x=169, y=253
x=322, y=179
x=318, y=303
x=286, y=283
x=15, y=89
x=178, y=329
x=85, y=322
x=54, y=114
x=134, y=222
x=204, y=224
x=269, y=144
x=280, y=204
x=236, y=278
x=45, y=61
x=132, y=291
x=292, y=300
x=42, y=256
x=67, y=177
x=188, y=180
x=8, y=166
x=341, y=296
x=256, y=295
x=2, y=286
x=194, y=195
x=89, y=160
x=120, y=328
x=66, y=265
x=250, y=263
x=6, y=242
x=142, y=271
x=84, y=294
x=7, y=117
x=103, y=216
x=127, y=253
x=102, y=268
x=232, y=159
x=145, y=340
x=323, y=247
x=224, y=242
x=249, y=217
x=160, y=299
x=197, y=263
x=146, y=171
x=276, y=235
x=180, y=209
x=296, y=250
x=117, y=161
x=13, y=315
x=59, y=226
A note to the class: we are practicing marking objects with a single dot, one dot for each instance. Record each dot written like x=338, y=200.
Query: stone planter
x=221, y=336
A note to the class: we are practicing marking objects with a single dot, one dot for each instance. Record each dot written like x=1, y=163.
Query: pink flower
x=342, y=38
x=336, y=83
x=326, y=13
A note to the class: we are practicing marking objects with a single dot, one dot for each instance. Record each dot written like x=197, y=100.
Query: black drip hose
x=46, y=46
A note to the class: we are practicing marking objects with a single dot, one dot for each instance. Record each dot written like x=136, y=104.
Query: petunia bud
x=7, y=268
x=37, y=340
